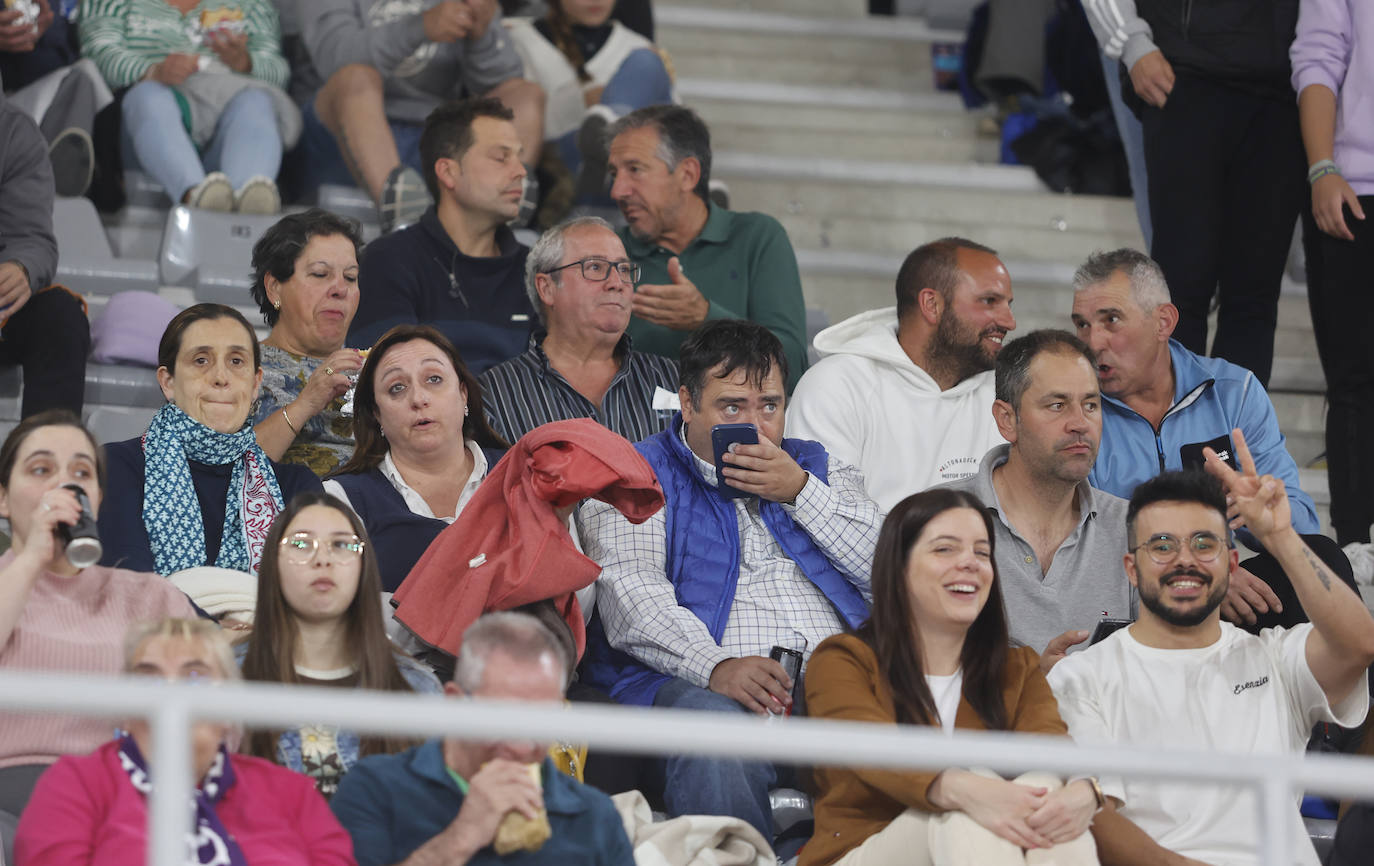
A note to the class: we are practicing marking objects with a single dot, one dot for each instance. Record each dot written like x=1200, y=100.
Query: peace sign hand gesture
x=1259, y=502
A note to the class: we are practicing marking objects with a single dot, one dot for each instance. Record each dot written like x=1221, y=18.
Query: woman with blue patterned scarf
x=196, y=489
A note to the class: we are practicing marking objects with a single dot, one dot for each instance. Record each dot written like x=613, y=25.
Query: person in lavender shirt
x=1333, y=74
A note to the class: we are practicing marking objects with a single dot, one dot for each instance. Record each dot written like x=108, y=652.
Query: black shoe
x=719, y=193
x=595, y=150
x=72, y=155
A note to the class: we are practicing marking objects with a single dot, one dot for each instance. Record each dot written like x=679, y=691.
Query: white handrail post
x=1275, y=804
x=169, y=815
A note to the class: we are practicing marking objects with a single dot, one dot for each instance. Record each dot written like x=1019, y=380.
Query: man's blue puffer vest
x=703, y=558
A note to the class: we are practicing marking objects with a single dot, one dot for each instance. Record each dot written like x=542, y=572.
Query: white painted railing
x=170, y=707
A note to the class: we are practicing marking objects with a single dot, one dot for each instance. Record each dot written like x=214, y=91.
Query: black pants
x=50, y=338
x=1226, y=184
x=1266, y=568
x=1340, y=291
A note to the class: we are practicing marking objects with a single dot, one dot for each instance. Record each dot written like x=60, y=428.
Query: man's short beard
x=1216, y=595
x=951, y=351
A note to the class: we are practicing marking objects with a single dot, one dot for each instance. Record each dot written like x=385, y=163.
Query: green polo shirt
x=744, y=265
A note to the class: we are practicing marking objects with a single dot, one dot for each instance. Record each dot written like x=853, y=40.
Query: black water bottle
x=83, y=539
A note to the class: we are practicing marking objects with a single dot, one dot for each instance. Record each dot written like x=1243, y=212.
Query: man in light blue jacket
x=1162, y=404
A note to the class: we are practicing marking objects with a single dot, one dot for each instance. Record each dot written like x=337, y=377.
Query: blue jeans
x=695, y=785
x=641, y=81
x=245, y=142
x=1133, y=141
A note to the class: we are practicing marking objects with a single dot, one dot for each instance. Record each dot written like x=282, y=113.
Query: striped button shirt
x=526, y=392
x=774, y=603
x=125, y=38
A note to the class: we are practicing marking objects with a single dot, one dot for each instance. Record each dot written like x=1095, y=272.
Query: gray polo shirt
x=1086, y=581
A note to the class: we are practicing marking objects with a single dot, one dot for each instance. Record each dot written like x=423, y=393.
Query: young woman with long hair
x=319, y=622
x=936, y=652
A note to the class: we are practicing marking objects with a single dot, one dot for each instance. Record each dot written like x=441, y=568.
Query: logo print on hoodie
x=387, y=11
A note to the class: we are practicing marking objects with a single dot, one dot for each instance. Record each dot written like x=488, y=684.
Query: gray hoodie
x=418, y=75
x=26, y=197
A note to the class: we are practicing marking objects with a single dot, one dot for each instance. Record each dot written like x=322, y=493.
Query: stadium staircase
x=828, y=119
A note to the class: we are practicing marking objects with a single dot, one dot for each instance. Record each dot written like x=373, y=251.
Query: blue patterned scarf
x=210, y=843
x=171, y=512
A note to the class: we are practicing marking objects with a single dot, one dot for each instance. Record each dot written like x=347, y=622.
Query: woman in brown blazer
x=935, y=652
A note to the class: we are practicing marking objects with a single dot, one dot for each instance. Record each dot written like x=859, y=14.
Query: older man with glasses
x=580, y=363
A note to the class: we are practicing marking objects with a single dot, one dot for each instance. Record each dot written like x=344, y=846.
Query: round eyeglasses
x=1164, y=548
x=300, y=548
x=599, y=270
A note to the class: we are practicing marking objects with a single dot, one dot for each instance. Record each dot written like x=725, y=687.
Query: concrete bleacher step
x=842, y=143
x=913, y=202
x=809, y=8
x=753, y=46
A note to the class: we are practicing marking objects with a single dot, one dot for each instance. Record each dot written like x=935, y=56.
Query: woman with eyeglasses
x=92, y=810
x=422, y=444
x=319, y=622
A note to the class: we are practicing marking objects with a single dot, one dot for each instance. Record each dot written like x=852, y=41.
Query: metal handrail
x=171, y=707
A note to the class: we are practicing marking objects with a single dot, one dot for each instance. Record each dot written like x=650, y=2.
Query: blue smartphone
x=722, y=437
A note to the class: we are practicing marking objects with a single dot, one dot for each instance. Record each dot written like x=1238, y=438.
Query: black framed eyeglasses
x=599, y=270
x=1164, y=548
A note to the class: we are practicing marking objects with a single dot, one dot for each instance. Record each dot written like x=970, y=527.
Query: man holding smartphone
x=691, y=601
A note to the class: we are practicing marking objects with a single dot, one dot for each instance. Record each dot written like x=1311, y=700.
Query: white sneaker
x=214, y=192
x=258, y=196
x=1361, y=556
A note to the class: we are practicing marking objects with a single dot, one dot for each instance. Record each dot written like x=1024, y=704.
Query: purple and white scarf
x=210, y=843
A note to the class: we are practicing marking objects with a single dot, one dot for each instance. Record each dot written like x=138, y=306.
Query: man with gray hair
x=1059, y=541
x=1162, y=404
x=741, y=265
x=580, y=363
x=442, y=802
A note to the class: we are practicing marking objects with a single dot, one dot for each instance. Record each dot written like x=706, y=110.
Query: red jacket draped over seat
x=508, y=547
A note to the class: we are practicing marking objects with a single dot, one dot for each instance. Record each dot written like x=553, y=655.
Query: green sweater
x=744, y=265
x=125, y=38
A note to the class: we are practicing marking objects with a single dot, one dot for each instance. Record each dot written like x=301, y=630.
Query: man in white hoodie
x=906, y=395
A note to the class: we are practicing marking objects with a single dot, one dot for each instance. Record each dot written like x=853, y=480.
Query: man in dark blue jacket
x=460, y=268
x=692, y=601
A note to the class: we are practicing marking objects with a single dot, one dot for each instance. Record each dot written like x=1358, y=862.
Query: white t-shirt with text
x=1246, y=694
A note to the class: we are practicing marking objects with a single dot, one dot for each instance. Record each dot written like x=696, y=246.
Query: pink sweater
x=85, y=811
x=76, y=624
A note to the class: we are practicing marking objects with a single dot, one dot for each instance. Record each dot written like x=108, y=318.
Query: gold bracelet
x=287, y=419
x=1097, y=793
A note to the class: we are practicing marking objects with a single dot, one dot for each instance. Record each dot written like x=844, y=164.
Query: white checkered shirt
x=774, y=601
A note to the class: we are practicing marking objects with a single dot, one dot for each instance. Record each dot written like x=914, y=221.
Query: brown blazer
x=842, y=682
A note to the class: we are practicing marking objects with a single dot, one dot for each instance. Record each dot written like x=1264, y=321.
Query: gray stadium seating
x=87, y=262
x=210, y=252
